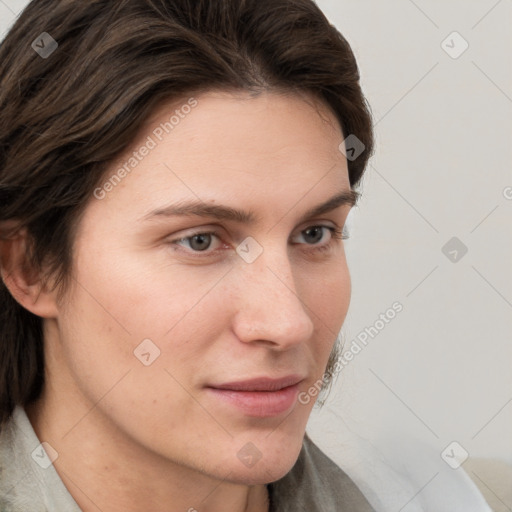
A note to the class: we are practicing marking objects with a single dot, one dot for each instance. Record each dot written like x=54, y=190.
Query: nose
x=269, y=308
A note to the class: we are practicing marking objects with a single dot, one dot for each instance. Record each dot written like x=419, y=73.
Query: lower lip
x=259, y=404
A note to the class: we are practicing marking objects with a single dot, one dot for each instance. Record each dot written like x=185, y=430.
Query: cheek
x=126, y=311
x=103, y=326
x=327, y=295
x=145, y=292
x=328, y=300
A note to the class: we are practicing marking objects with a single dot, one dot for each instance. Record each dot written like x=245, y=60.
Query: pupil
x=319, y=232
x=200, y=237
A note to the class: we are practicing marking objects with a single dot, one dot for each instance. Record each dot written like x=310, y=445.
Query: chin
x=267, y=464
x=261, y=473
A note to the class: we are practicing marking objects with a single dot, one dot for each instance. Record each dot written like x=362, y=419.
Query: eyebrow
x=220, y=212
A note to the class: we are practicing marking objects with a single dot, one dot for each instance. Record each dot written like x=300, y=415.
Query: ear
x=24, y=283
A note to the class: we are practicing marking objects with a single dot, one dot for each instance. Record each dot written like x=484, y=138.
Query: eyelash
x=337, y=234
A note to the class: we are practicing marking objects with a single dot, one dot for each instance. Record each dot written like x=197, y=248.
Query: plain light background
x=440, y=371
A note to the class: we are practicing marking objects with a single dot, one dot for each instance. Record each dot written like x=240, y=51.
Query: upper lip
x=260, y=384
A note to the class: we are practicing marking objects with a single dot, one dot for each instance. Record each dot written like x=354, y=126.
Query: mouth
x=261, y=397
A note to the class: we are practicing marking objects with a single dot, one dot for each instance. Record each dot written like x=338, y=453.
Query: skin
x=132, y=437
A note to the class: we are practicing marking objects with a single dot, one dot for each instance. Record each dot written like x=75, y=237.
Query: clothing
x=314, y=484
x=29, y=483
x=398, y=469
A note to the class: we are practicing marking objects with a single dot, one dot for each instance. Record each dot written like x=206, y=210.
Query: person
x=175, y=178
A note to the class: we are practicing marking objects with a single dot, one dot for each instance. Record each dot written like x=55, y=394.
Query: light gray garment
x=25, y=484
x=30, y=483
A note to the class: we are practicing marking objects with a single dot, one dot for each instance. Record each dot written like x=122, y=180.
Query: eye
x=200, y=242
x=316, y=233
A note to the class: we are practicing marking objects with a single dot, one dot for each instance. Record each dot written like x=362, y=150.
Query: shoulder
x=28, y=480
x=15, y=484
x=316, y=483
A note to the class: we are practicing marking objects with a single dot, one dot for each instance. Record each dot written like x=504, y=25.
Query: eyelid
x=217, y=229
x=336, y=232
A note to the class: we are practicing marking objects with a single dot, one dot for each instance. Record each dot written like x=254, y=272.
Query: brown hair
x=69, y=108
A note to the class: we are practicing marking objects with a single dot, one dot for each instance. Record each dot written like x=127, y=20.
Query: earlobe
x=23, y=282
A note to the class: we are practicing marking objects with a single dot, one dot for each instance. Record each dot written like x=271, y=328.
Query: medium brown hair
x=65, y=116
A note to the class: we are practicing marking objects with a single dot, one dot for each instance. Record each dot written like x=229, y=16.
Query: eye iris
x=202, y=241
x=319, y=232
x=201, y=238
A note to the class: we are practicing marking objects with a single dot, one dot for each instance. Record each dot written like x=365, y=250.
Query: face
x=170, y=315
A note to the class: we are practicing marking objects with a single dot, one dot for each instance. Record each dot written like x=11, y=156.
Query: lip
x=260, y=384
x=261, y=397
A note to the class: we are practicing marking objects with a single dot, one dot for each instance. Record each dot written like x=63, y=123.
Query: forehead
x=268, y=148
x=237, y=125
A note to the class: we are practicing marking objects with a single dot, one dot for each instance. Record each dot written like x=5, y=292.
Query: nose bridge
x=270, y=307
